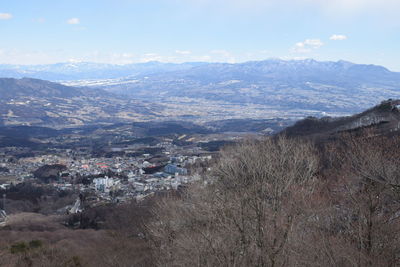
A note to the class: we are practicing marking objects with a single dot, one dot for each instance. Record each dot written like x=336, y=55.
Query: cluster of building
x=138, y=178
x=114, y=179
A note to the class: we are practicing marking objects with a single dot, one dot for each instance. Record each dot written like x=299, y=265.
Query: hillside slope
x=37, y=102
x=383, y=119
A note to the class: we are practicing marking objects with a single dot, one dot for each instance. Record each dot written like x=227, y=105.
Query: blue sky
x=127, y=31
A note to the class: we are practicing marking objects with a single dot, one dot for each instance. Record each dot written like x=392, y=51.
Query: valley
x=207, y=133
x=197, y=92
x=92, y=163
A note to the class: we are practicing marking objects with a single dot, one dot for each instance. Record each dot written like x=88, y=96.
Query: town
x=116, y=179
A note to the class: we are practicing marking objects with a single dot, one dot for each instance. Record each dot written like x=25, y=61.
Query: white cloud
x=183, y=52
x=16, y=56
x=108, y=57
x=222, y=56
x=314, y=43
x=338, y=37
x=5, y=16
x=73, y=21
x=307, y=46
x=118, y=58
x=151, y=57
x=301, y=48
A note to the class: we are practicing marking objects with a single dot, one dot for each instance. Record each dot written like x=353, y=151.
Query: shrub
x=20, y=247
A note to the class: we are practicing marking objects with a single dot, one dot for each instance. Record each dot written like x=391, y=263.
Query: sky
x=130, y=31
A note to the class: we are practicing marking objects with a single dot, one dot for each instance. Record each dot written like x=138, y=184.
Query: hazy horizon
x=192, y=62
x=176, y=31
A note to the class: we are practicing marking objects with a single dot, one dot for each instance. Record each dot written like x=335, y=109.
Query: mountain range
x=266, y=89
x=281, y=85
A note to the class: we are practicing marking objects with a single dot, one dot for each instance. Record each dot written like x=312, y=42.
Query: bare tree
x=246, y=213
x=372, y=194
x=357, y=223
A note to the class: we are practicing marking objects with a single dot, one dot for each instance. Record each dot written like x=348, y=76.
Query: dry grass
x=66, y=247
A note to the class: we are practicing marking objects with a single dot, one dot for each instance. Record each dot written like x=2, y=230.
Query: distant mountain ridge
x=90, y=70
x=216, y=91
x=34, y=102
x=278, y=84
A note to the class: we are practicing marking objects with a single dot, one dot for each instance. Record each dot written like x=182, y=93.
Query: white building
x=105, y=184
